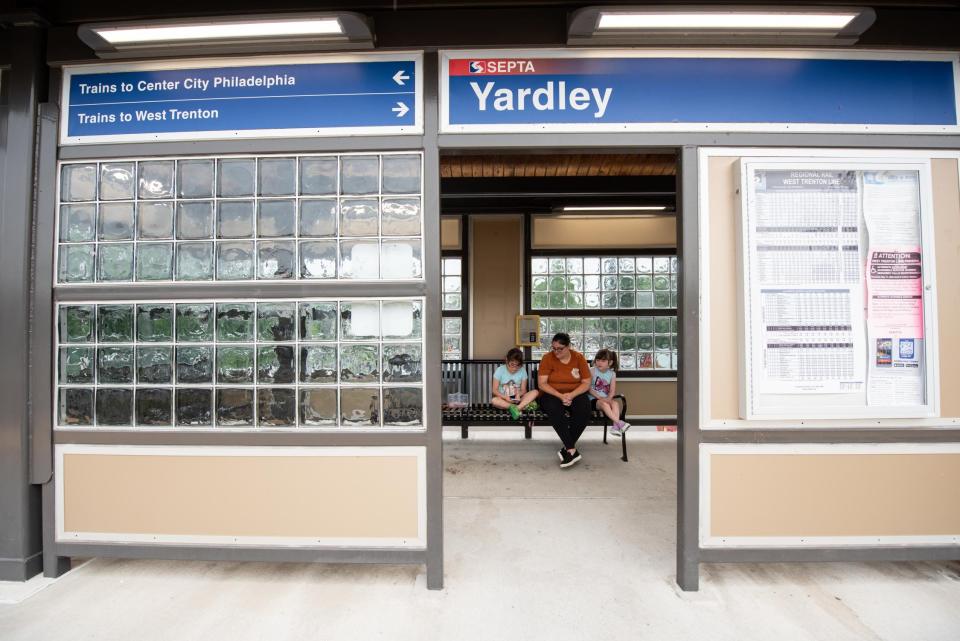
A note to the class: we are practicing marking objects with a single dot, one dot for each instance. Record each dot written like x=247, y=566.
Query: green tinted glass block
x=628, y=343
x=195, y=322
x=575, y=325
x=574, y=300
x=609, y=300
x=318, y=364
x=627, y=300
x=663, y=324
x=557, y=284
x=593, y=325
x=661, y=299
x=661, y=283
x=235, y=322
x=644, y=342
x=359, y=363
x=539, y=284
x=154, y=323
x=275, y=321
x=627, y=283
x=115, y=262
x=155, y=365
x=235, y=365
x=154, y=261
x=275, y=364
x=574, y=283
x=609, y=283
x=76, y=263
x=628, y=325
x=644, y=283
x=644, y=325
x=557, y=325
x=76, y=324
x=540, y=301
x=557, y=300
x=318, y=321
x=76, y=365
x=610, y=325
x=115, y=365
x=195, y=261
x=194, y=364
x=115, y=323
x=644, y=300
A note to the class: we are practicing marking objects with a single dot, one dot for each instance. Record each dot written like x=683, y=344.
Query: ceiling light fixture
x=615, y=208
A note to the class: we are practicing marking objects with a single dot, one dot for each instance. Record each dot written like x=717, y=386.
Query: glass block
x=402, y=319
x=401, y=174
x=400, y=260
x=318, y=321
x=662, y=324
x=154, y=261
x=662, y=360
x=402, y=406
x=154, y=406
x=628, y=325
x=359, y=174
x=675, y=342
x=609, y=325
x=76, y=365
x=644, y=325
x=558, y=266
x=318, y=407
x=115, y=262
x=593, y=325
x=452, y=347
x=155, y=179
x=360, y=259
x=155, y=220
x=591, y=265
x=673, y=324
x=276, y=259
x=276, y=218
x=627, y=300
x=235, y=322
x=608, y=265
x=627, y=283
x=359, y=363
x=557, y=325
x=644, y=265
x=609, y=283
x=557, y=284
x=194, y=407
x=661, y=265
x=591, y=283
x=195, y=178
x=452, y=266
x=608, y=300
x=235, y=219
x=628, y=361
x=674, y=264
x=608, y=342
x=318, y=259
x=644, y=360
x=661, y=299
x=573, y=300
x=400, y=217
x=318, y=176
x=627, y=265
x=645, y=342
x=195, y=261
x=114, y=406
x=154, y=323
x=155, y=365
x=454, y=302
x=359, y=217
x=538, y=284
x=673, y=299
x=644, y=300
x=451, y=284
x=116, y=181
x=236, y=177
x=78, y=183
x=574, y=325
x=277, y=407
x=661, y=283
x=275, y=364
x=235, y=364
x=195, y=322
x=673, y=282
x=628, y=343
x=234, y=407
x=77, y=223
x=235, y=261
x=277, y=177
x=275, y=321
x=318, y=364
x=115, y=221
x=574, y=265
x=576, y=342
x=359, y=406
x=115, y=323
x=359, y=320
x=194, y=364
x=75, y=407
x=76, y=324
x=318, y=218
x=556, y=300
x=452, y=325
x=591, y=300
x=195, y=220
x=539, y=265
x=574, y=283
x=402, y=363
x=644, y=283
x=591, y=343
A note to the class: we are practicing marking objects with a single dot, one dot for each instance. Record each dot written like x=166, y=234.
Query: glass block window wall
x=597, y=282
x=351, y=216
x=641, y=342
x=452, y=305
x=320, y=363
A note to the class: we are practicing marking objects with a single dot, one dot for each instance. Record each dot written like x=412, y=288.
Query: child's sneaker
x=514, y=412
x=532, y=406
x=617, y=428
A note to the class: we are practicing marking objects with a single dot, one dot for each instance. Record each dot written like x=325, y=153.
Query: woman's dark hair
x=561, y=337
x=610, y=356
x=515, y=355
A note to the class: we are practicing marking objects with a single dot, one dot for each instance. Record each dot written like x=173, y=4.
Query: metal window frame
x=464, y=312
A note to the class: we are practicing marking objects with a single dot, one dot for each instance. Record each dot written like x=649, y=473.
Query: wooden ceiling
x=557, y=165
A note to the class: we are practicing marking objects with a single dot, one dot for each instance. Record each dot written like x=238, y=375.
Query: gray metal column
x=20, y=509
x=688, y=379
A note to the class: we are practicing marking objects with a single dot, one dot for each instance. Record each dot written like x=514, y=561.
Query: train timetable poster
x=833, y=289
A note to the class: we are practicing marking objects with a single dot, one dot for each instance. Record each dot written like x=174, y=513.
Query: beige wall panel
x=653, y=398
x=798, y=495
x=604, y=231
x=450, y=232
x=252, y=496
x=725, y=375
x=496, y=257
x=946, y=206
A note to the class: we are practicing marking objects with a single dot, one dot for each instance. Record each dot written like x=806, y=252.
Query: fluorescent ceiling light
x=616, y=208
x=726, y=20
x=218, y=31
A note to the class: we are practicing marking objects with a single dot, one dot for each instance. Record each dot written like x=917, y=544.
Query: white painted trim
x=708, y=450
x=419, y=542
x=259, y=61
x=824, y=54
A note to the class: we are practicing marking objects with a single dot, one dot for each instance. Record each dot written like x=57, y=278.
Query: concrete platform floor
x=533, y=552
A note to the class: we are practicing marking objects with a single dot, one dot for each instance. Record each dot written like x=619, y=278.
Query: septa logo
x=476, y=67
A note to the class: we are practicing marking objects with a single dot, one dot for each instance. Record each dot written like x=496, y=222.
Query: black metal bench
x=473, y=377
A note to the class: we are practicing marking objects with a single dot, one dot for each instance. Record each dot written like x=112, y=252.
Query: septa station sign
x=607, y=90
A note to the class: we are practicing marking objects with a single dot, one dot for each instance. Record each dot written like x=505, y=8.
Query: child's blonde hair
x=608, y=355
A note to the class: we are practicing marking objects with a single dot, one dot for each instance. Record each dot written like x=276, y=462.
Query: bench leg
x=463, y=431
x=604, y=431
x=623, y=444
x=528, y=430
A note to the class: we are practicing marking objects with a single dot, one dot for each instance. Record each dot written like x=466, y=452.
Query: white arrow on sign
x=401, y=109
x=400, y=77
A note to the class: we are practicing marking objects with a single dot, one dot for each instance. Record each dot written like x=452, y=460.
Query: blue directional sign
x=319, y=96
x=607, y=90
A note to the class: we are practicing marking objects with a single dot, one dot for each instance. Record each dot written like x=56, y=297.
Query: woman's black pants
x=568, y=421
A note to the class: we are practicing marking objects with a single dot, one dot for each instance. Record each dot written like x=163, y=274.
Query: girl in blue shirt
x=510, y=386
x=603, y=387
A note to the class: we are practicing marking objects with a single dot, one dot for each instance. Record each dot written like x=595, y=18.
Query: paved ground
x=533, y=553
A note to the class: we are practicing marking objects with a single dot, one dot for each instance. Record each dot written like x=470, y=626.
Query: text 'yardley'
x=550, y=97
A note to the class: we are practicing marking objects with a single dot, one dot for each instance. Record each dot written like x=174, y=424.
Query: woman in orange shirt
x=563, y=379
